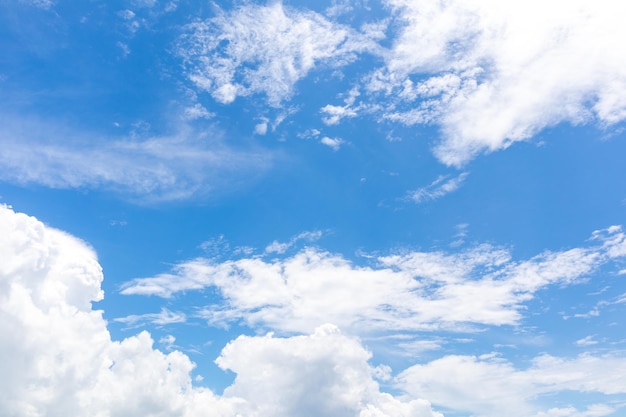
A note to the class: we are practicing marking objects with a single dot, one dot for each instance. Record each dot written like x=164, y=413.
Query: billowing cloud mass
x=412, y=291
x=491, y=73
x=264, y=49
x=321, y=374
x=186, y=164
x=57, y=356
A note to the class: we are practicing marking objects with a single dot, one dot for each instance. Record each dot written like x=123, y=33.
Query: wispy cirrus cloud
x=164, y=317
x=184, y=165
x=438, y=188
x=282, y=247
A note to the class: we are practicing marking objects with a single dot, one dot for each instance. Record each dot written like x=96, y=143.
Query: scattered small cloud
x=162, y=318
x=42, y=4
x=280, y=248
x=333, y=143
x=587, y=341
x=124, y=48
x=459, y=237
x=261, y=128
x=334, y=114
x=167, y=342
x=440, y=187
x=197, y=111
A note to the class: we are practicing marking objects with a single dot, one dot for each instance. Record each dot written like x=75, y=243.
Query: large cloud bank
x=57, y=357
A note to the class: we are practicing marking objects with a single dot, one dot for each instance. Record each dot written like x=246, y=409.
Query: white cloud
x=124, y=48
x=594, y=410
x=587, y=341
x=333, y=143
x=322, y=374
x=261, y=128
x=474, y=68
x=440, y=187
x=126, y=14
x=278, y=247
x=410, y=291
x=162, y=318
x=264, y=49
x=334, y=114
x=58, y=358
x=486, y=385
x=491, y=80
x=43, y=4
x=197, y=111
x=184, y=165
x=145, y=3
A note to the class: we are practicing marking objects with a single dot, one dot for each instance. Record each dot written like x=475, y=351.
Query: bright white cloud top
x=346, y=208
x=60, y=359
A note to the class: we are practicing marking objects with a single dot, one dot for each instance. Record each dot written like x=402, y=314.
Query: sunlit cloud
x=411, y=291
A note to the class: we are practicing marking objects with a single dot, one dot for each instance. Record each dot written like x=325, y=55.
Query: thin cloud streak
x=185, y=165
x=440, y=187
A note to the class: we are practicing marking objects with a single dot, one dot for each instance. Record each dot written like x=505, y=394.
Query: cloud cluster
x=488, y=384
x=411, y=291
x=264, y=49
x=57, y=357
x=491, y=73
x=186, y=164
x=488, y=73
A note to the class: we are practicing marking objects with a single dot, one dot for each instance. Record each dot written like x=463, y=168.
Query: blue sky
x=352, y=208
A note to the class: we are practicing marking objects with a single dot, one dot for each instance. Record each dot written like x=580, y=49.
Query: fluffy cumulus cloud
x=488, y=384
x=324, y=373
x=491, y=73
x=151, y=168
x=57, y=357
x=411, y=291
x=264, y=49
